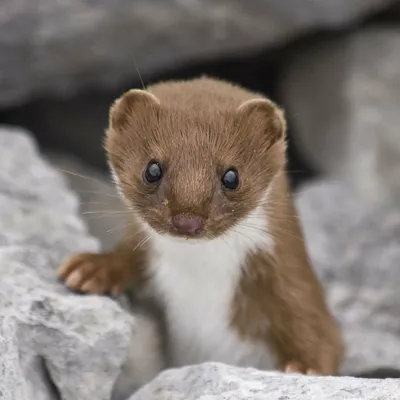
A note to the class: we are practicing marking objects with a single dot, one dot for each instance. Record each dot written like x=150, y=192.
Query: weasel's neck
x=196, y=283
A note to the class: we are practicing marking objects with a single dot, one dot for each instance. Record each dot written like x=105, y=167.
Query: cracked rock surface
x=52, y=342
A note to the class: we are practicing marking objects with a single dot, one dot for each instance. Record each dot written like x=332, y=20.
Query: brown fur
x=196, y=130
x=284, y=288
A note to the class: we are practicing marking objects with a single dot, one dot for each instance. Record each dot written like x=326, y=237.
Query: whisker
x=284, y=232
x=115, y=196
x=138, y=72
x=247, y=238
x=85, y=203
x=106, y=212
x=78, y=175
x=232, y=252
x=99, y=217
x=273, y=217
x=142, y=243
x=119, y=227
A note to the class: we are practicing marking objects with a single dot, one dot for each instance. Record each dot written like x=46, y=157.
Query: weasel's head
x=194, y=173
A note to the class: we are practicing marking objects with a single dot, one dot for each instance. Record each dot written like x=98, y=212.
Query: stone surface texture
x=66, y=45
x=355, y=250
x=48, y=334
x=216, y=381
x=343, y=98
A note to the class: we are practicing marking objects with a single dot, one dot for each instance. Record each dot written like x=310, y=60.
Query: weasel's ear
x=264, y=116
x=130, y=105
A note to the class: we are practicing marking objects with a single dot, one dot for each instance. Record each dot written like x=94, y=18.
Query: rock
x=343, y=96
x=65, y=46
x=54, y=343
x=355, y=251
x=100, y=205
x=217, y=381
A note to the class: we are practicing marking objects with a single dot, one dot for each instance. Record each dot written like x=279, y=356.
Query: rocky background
x=333, y=65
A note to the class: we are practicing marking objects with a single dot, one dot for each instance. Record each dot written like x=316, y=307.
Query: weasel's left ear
x=264, y=116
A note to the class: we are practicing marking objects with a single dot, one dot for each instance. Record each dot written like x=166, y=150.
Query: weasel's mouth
x=186, y=237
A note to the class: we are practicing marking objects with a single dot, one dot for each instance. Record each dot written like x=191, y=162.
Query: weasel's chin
x=173, y=237
x=184, y=239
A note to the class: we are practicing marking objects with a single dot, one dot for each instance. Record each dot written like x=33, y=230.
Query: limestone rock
x=67, y=45
x=216, y=381
x=355, y=251
x=51, y=340
x=343, y=98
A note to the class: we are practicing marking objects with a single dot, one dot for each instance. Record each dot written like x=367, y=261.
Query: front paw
x=295, y=367
x=92, y=273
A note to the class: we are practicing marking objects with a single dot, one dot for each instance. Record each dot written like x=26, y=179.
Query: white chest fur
x=196, y=283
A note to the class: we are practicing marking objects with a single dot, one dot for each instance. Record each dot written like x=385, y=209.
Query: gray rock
x=356, y=251
x=343, y=97
x=100, y=206
x=53, y=342
x=216, y=381
x=61, y=47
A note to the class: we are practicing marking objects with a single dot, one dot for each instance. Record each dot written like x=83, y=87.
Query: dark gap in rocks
x=380, y=373
x=55, y=393
x=76, y=125
x=389, y=15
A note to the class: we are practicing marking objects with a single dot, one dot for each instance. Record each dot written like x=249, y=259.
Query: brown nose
x=187, y=226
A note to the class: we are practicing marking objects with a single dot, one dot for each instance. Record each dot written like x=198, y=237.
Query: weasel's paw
x=295, y=367
x=91, y=273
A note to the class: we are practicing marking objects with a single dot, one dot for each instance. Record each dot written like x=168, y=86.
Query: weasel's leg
x=111, y=272
x=298, y=368
x=307, y=338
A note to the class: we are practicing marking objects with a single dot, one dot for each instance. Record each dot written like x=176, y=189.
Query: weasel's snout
x=188, y=226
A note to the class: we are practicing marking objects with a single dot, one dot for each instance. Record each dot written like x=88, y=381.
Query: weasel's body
x=215, y=237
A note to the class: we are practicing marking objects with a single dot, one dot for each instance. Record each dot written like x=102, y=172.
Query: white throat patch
x=196, y=283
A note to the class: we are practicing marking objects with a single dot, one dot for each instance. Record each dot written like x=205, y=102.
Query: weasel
x=214, y=236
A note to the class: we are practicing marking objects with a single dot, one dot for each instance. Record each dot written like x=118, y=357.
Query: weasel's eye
x=153, y=172
x=230, y=179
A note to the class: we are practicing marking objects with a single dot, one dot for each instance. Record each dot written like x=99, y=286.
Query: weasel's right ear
x=130, y=105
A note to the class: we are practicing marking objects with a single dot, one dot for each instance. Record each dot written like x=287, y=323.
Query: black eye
x=230, y=179
x=153, y=172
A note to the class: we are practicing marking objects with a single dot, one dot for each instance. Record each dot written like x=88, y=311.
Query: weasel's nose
x=187, y=226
